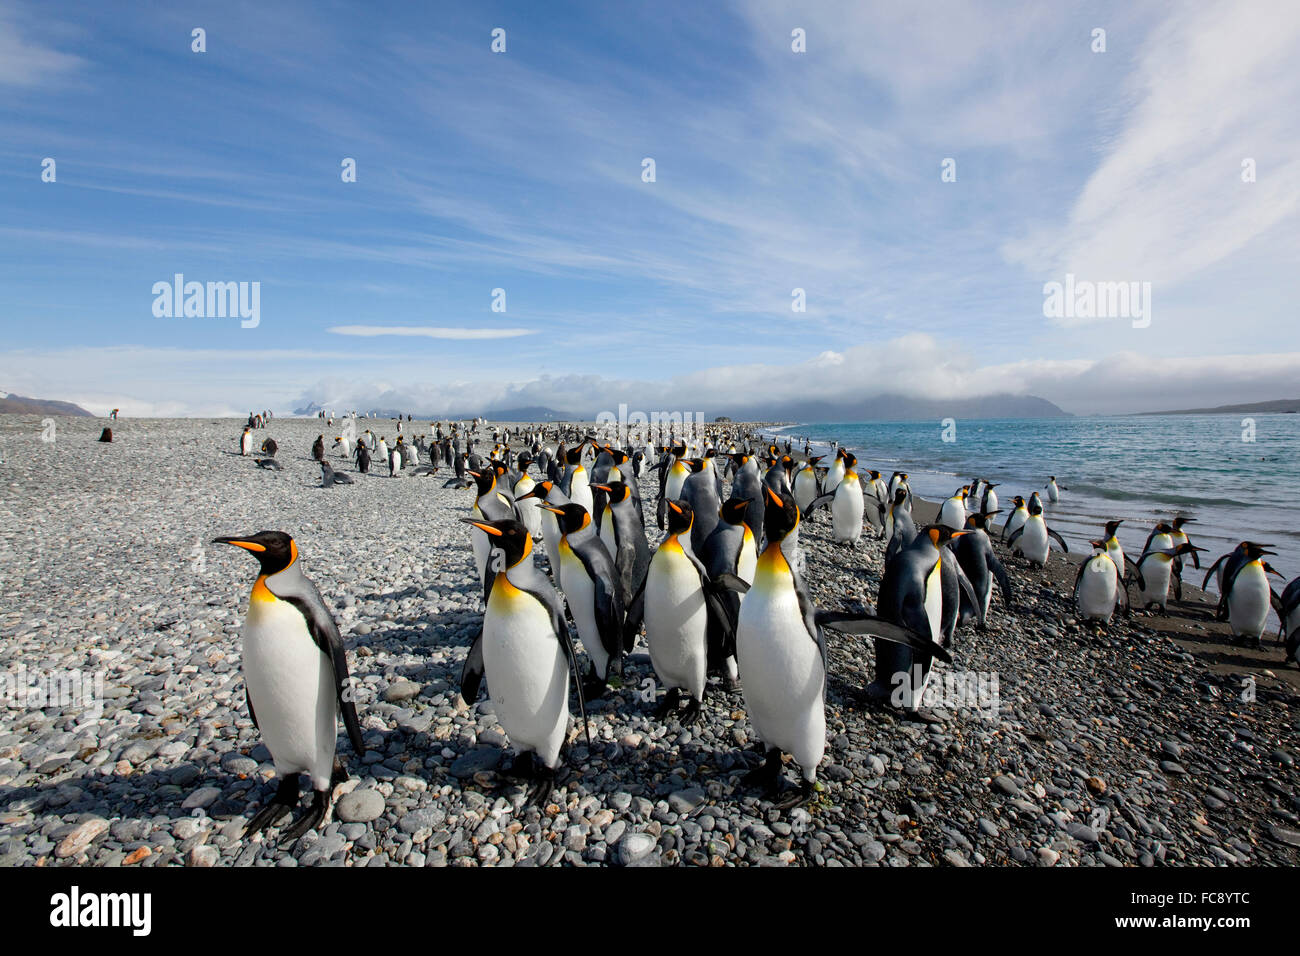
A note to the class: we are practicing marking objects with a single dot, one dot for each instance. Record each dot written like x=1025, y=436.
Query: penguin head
x=274, y=550
x=850, y=459
x=571, y=517
x=733, y=511
x=484, y=480
x=1020, y=502
x=1035, y=506
x=979, y=520
x=812, y=461
x=1099, y=545
x=617, y=491
x=696, y=465
x=739, y=458
x=680, y=517
x=900, y=496
x=781, y=516
x=1255, y=551
x=507, y=534
x=875, y=475
x=1182, y=520
x=1112, y=526
x=940, y=535
x=539, y=491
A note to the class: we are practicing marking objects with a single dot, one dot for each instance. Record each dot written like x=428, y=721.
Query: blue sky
x=522, y=171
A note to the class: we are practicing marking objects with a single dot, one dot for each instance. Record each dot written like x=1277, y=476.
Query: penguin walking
x=835, y=473
x=988, y=503
x=1097, y=587
x=525, y=654
x=1245, y=594
x=1015, y=521
x=1054, y=490
x=1156, y=569
x=847, y=504
x=1033, y=538
x=977, y=559
x=781, y=650
x=363, y=458
x=590, y=584
x=296, y=676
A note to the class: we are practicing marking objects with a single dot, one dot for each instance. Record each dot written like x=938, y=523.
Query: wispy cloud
x=429, y=331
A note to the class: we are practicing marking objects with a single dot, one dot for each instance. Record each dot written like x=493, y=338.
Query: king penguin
x=590, y=584
x=1033, y=538
x=782, y=655
x=296, y=676
x=525, y=654
x=981, y=565
x=246, y=442
x=1097, y=588
x=631, y=554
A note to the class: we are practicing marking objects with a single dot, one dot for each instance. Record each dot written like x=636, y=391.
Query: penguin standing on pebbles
x=525, y=654
x=782, y=654
x=1033, y=538
x=245, y=442
x=296, y=674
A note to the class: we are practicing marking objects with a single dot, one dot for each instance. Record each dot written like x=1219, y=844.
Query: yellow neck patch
x=261, y=592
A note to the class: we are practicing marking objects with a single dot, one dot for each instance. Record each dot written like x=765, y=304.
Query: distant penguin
x=270, y=464
x=363, y=458
x=952, y=514
x=329, y=477
x=318, y=448
x=700, y=491
x=1033, y=539
x=269, y=447
x=806, y=486
x=900, y=528
x=526, y=656
x=1053, y=492
x=245, y=441
x=847, y=504
x=296, y=674
x=381, y=449
x=748, y=484
x=1019, y=515
x=834, y=474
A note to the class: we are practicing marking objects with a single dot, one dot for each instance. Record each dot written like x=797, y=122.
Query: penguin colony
x=557, y=534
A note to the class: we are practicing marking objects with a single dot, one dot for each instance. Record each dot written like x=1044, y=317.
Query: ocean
x=1238, y=482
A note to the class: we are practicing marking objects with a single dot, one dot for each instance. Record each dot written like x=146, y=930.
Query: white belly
x=479, y=541
x=291, y=684
x=1248, y=605
x=676, y=621
x=1034, y=543
x=676, y=478
x=746, y=560
x=1016, y=521
x=1156, y=571
x=991, y=502
x=781, y=671
x=246, y=444
x=580, y=489
x=581, y=595
x=953, y=514
x=1097, y=589
x=551, y=538
x=805, y=488
x=527, y=674
x=833, y=477
x=846, y=511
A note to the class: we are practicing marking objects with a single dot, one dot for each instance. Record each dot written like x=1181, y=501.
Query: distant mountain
x=1277, y=405
x=901, y=408
x=530, y=413
x=19, y=405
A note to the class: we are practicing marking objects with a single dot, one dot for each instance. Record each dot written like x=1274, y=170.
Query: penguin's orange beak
x=603, y=487
x=552, y=509
x=482, y=527
x=238, y=543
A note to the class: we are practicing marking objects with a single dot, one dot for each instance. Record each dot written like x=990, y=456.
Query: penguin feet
x=339, y=774
x=593, y=687
x=524, y=767
x=670, y=702
x=285, y=799
x=731, y=684
x=320, y=801
x=694, y=710
x=797, y=797
x=768, y=772
x=541, y=789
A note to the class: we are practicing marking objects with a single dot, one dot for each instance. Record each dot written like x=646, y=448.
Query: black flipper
x=817, y=503
x=851, y=622
x=1014, y=536
x=1205, y=585
x=1059, y=540
x=471, y=675
x=1004, y=583
x=969, y=590
x=1137, y=573
x=323, y=630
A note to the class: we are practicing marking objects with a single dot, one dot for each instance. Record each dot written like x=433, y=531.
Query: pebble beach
x=1152, y=743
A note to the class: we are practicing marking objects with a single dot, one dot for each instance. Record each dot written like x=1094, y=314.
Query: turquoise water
x=1139, y=468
